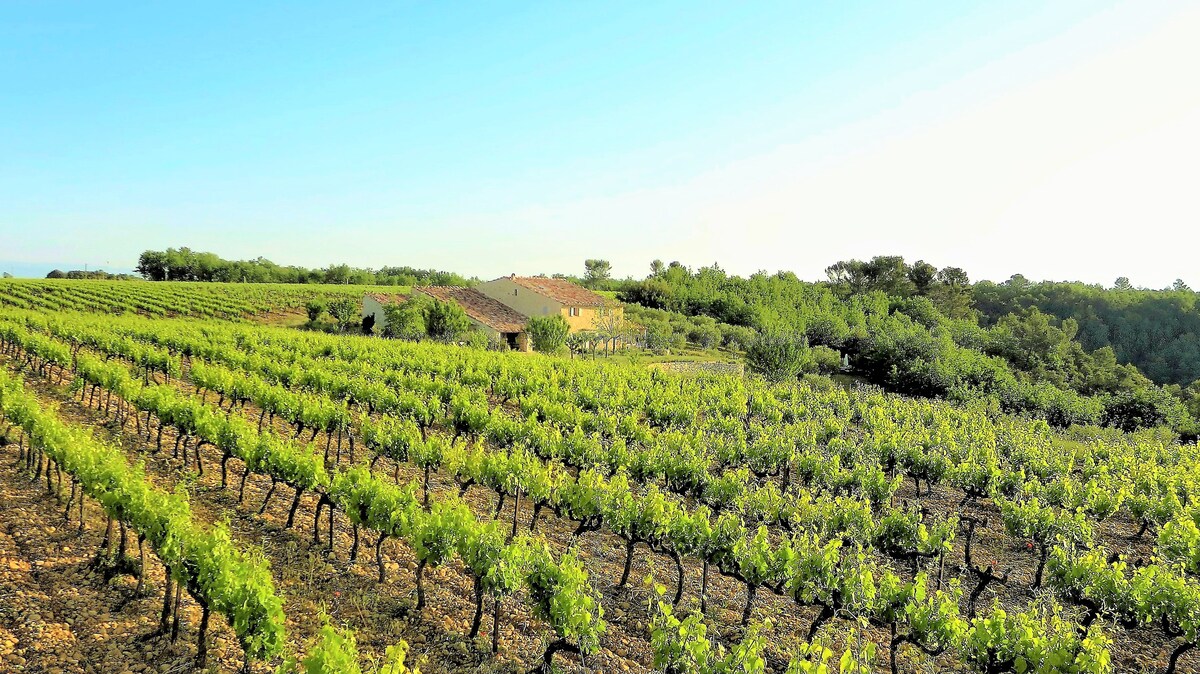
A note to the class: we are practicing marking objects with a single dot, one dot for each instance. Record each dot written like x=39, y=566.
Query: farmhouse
x=497, y=321
x=543, y=296
x=502, y=307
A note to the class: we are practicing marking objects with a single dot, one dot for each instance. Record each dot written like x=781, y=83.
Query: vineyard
x=258, y=497
x=201, y=300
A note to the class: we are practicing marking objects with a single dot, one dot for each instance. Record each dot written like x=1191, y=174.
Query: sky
x=1057, y=140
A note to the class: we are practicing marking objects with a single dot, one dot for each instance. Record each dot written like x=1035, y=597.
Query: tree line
x=184, y=264
x=93, y=275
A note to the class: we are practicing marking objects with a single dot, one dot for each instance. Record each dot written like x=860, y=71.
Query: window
x=514, y=292
x=574, y=311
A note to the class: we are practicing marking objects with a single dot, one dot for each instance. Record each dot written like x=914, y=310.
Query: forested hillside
x=915, y=329
x=1156, y=330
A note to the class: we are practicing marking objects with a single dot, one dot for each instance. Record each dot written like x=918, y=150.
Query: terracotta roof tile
x=560, y=290
x=482, y=308
x=387, y=299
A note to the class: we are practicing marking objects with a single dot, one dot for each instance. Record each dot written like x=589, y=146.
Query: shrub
x=736, y=336
x=777, y=357
x=405, y=320
x=344, y=311
x=445, y=320
x=823, y=360
x=705, y=336
x=475, y=339
x=314, y=308
x=548, y=333
x=658, y=335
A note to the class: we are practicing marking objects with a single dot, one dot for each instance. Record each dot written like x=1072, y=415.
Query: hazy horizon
x=36, y=270
x=1056, y=141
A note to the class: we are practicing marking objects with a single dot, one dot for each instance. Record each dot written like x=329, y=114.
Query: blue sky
x=1052, y=139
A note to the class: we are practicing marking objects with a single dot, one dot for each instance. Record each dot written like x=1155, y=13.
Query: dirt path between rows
x=58, y=613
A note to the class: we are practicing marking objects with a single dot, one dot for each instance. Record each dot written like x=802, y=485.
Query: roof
x=387, y=299
x=480, y=307
x=559, y=290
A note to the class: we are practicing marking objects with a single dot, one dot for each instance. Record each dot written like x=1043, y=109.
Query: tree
x=610, y=326
x=152, y=265
x=406, y=320
x=1017, y=281
x=953, y=277
x=314, y=308
x=1122, y=283
x=445, y=320
x=1180, y=286
x=922, y=274
x=548, y=333
x=654, y=293
x=596, y=272
x=847, y=275
x=657, y=336
x=777, y=357
x=344, y=311
x=584, y=340
x=886, y=273
x=657, y=268
x=338, y=273
x=57, y=273
x=951, y=293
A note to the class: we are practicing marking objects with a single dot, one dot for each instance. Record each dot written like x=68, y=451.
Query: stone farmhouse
x=502, y=307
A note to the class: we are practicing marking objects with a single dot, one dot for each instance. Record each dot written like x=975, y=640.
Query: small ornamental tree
x=548, y=333
x=579, y=342
x=344, y=311
x=776, y=357
x=445, y=320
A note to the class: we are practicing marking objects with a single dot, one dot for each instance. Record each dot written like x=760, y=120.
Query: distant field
x=173, y=298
